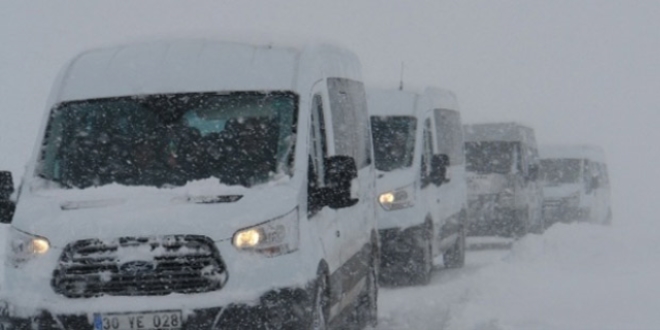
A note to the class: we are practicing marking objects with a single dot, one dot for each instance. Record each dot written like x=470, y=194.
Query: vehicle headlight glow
x=25, y=246
x=398, y=199
x=271, y=238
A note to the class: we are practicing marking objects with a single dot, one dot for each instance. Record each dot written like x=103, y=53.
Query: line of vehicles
x=198, y=184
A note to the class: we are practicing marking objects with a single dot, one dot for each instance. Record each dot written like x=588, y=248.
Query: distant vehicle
x=576, y=185
x=504, y=195
x=7, y=206
x=415, y=224
x=197, y=184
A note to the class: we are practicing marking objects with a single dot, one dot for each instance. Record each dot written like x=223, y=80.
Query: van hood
x=388, y=181
x=479, y=184
x=561, y=191
x=68, y=216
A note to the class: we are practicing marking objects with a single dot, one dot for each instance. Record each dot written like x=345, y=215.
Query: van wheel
x=319, y=317
x=455, y=257
x=368, y=301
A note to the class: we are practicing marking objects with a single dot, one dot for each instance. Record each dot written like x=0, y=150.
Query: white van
x=198, y=184
x=576, y=185
x=413, y=227
x=504, y=195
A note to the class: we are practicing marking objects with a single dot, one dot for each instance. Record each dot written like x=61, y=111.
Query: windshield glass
x=557, y=171
x=492, y=157
x=241, y=138
x=394, y=141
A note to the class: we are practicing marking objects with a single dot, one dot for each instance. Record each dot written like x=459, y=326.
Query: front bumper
x=398, y=248
x=287, y=308
x=554, y=212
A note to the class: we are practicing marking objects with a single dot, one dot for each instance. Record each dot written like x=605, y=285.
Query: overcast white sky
x=578, y=71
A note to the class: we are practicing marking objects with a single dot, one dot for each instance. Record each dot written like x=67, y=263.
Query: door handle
x=337, y=233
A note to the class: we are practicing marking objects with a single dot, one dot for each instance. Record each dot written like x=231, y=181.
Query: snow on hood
x=202, y=208
x=388, y=181
x=486, y=183
x=564, y=190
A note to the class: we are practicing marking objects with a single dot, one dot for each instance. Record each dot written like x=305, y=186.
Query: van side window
x=350, y=120
x=449, y=135
x=427, y=153
x=317, y=153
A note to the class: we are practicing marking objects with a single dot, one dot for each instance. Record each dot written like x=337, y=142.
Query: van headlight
x=398, y=199
x=24, y=247
x=271, y=238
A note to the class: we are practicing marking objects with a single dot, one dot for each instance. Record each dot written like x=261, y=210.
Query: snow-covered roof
x=441, y=98
x=594, y=153
x=197, y=65
x=510, y=132
x=391, y=102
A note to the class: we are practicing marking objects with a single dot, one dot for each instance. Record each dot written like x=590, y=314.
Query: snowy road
x=572, y=277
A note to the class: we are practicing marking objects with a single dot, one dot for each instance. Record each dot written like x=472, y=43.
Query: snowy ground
x=572, y=277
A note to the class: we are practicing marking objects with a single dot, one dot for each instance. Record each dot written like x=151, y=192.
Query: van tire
x=368, y=301
x=319, y=316
x=455, y=256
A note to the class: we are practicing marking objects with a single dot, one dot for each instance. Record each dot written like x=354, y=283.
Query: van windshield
x=488, y=157
x=167, y=140
x=394, y=141
x=558, y=171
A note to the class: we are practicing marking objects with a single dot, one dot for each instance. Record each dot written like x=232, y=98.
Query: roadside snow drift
x=572, y=277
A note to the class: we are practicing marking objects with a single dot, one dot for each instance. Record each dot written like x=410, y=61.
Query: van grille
x=139, y=266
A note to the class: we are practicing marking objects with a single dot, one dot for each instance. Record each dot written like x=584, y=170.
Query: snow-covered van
x=504, y=195
x=576, y=185
x=197, y=184
x=7, y=206
x=411, y=174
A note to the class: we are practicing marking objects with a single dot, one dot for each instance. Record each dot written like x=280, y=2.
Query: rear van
x=576, y=185
x=411, y=173
x=198, y=184
x=504, y=195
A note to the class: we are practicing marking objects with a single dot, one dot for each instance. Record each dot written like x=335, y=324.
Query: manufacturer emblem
x=137, y=267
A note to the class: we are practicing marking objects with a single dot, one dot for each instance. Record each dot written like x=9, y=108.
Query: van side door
x=323, y=218
x=352, y=137
x=429, y=191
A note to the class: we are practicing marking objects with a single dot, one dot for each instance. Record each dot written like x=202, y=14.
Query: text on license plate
x=170, y=320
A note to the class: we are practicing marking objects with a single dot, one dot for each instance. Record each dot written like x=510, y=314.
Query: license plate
x=169, y=320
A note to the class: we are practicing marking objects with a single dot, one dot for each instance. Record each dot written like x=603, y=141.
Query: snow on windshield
x=169, y=140
x=394, y=141
x=492, y=157
x=558, y=171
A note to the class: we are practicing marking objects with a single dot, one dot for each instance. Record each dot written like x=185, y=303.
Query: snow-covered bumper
x=495, y=215
x=252, y=292
x=561, y=210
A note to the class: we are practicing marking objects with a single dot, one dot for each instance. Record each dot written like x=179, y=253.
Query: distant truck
x=576, y=184
x=504, y=195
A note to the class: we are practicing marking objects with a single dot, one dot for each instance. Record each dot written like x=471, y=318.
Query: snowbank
x=573, y=277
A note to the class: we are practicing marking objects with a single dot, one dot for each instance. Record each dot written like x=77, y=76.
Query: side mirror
x=7, y=206
x=339, y=174
x=6, y=185
x=7, y=209
x=439, y=165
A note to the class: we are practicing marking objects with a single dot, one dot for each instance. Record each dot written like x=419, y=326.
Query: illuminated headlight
x=271, y=238
x=24, y=247
x=398, y=199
